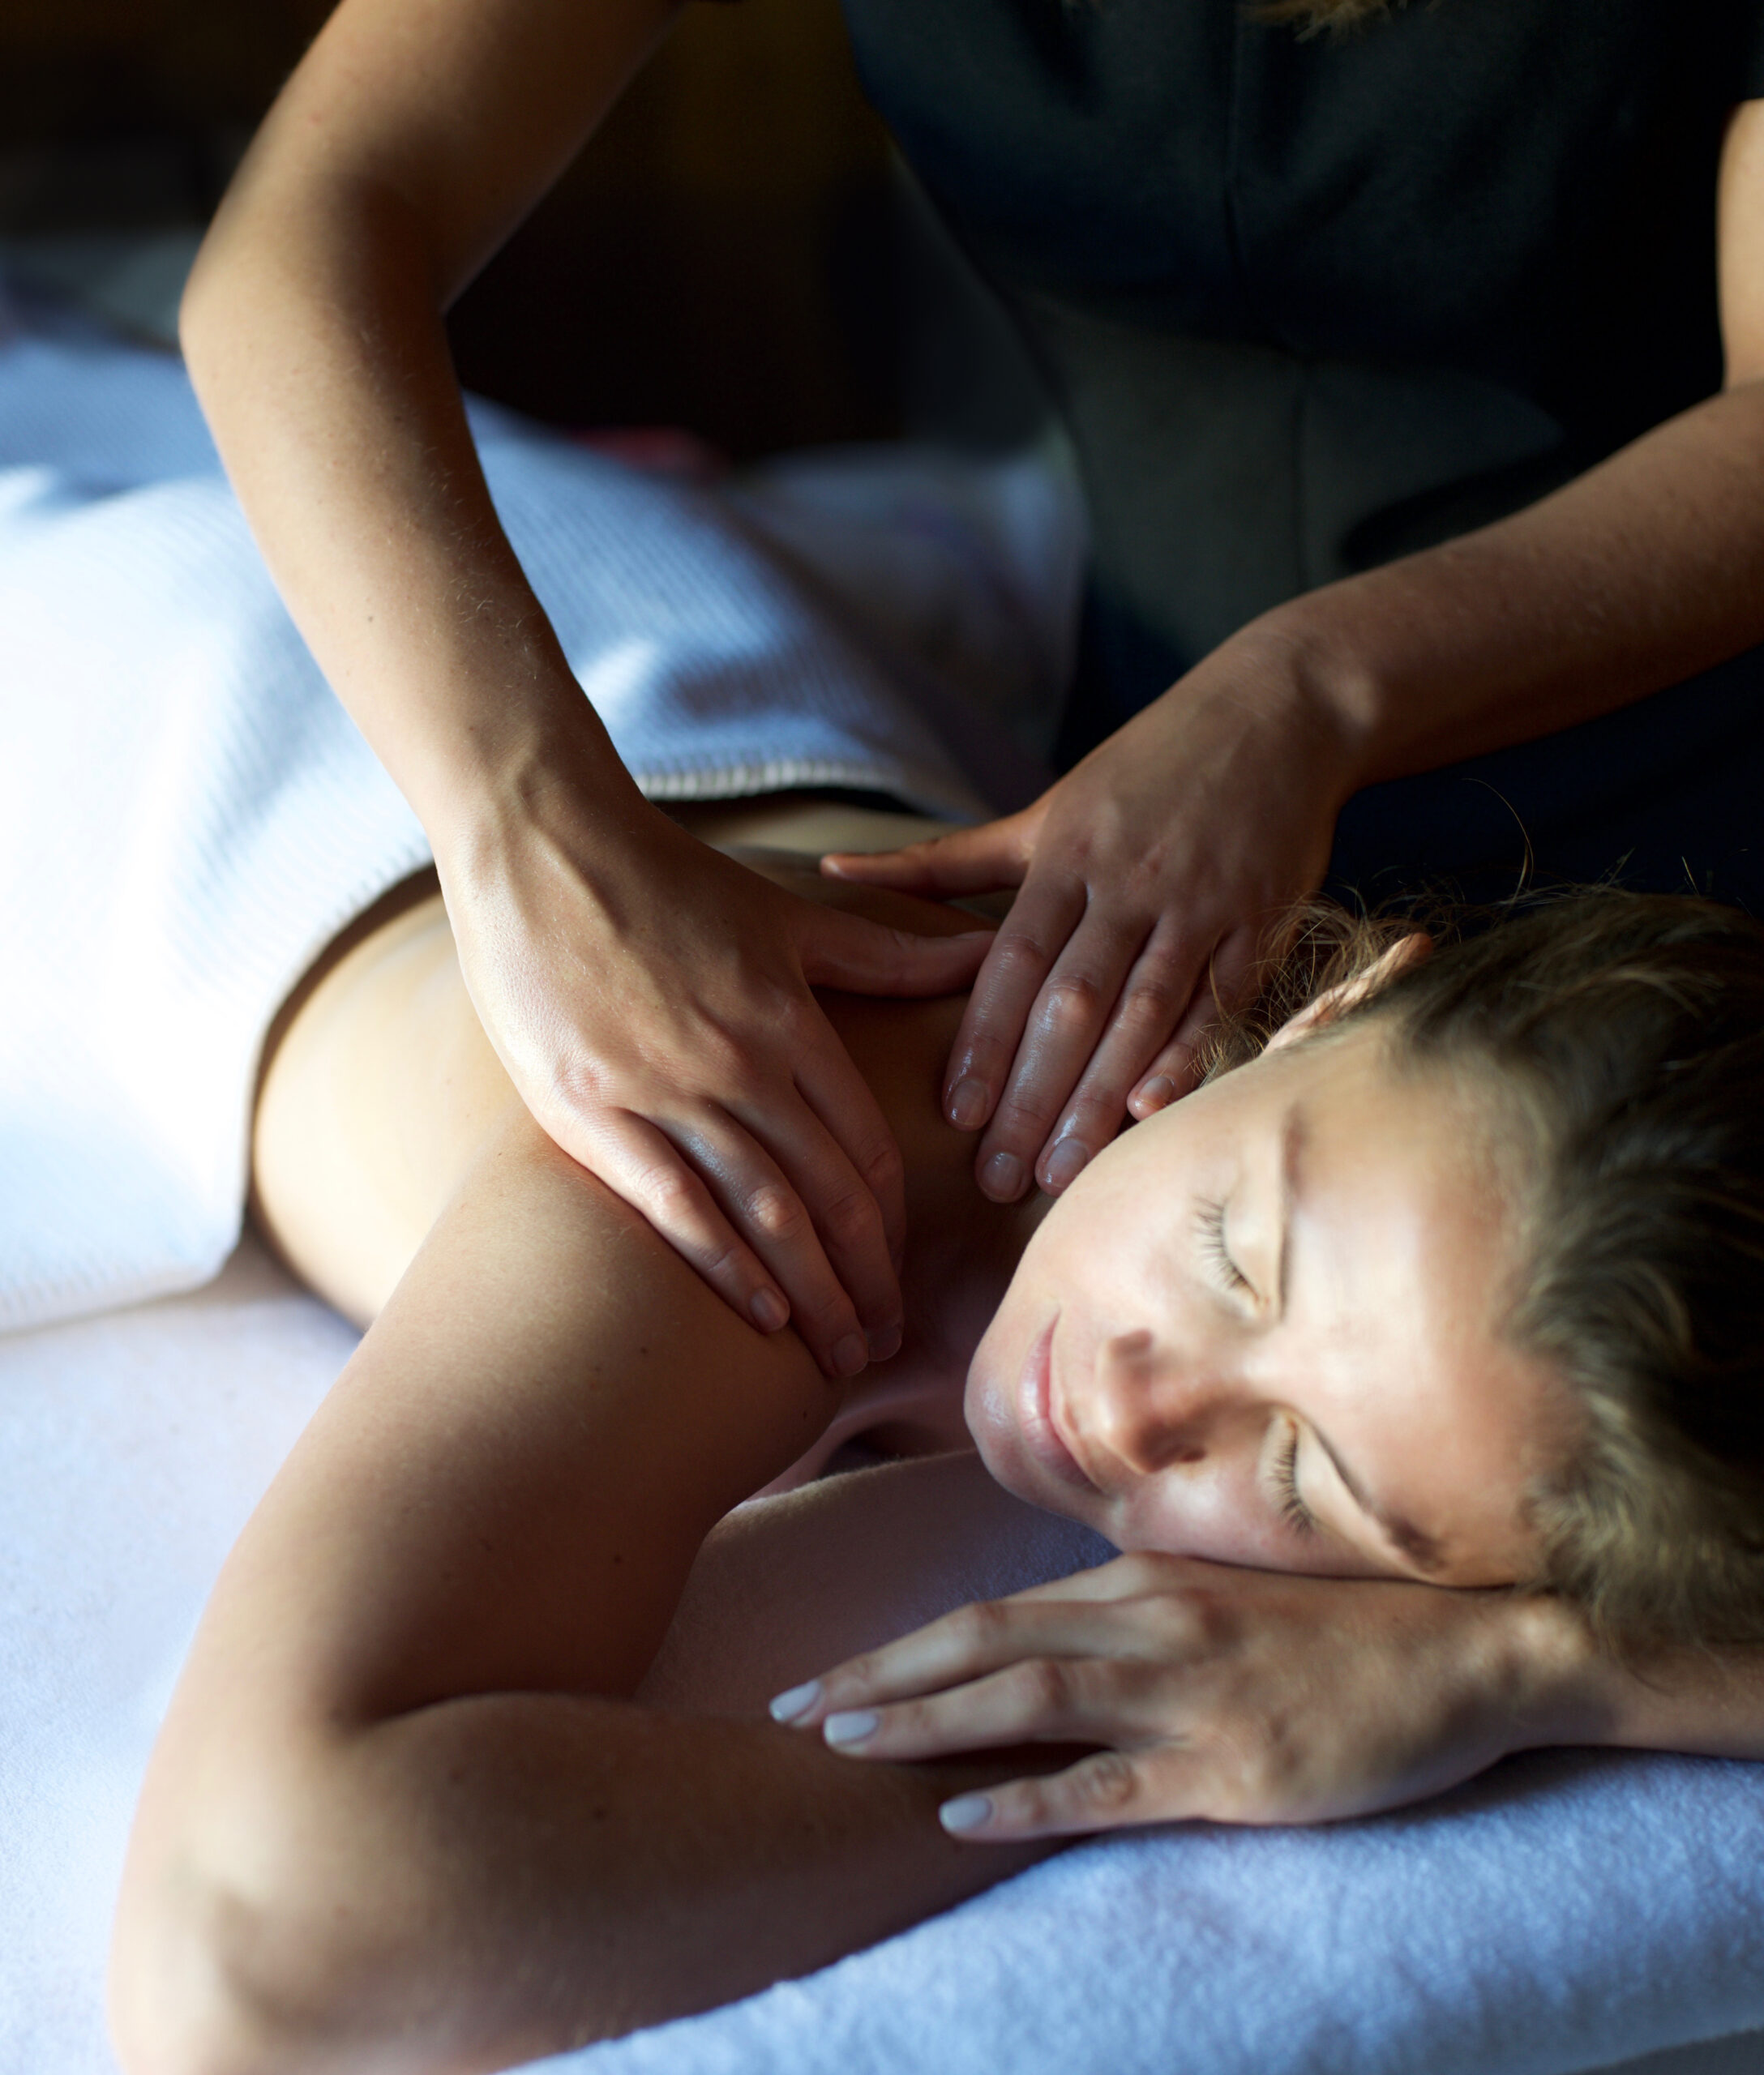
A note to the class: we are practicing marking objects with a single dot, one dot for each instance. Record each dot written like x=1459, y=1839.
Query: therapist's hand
x=1148, y=877
x=651, y=1000
x=1216, y=1694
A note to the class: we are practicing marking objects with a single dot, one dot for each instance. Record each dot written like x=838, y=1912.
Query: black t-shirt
x=1309, y=302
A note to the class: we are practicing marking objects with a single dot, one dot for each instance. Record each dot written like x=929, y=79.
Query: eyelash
x=1293, y=1509
x=1209, y=1227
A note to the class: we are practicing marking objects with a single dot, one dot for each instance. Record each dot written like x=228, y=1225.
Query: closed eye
x=1209, y=1239
x=1293, y=1510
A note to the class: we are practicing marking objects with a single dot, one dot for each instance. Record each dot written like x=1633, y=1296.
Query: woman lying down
x=1413, y=1362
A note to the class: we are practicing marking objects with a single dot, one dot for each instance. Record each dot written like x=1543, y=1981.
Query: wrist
x=1554, y=1679
x=1310, y=685
x=551, y=771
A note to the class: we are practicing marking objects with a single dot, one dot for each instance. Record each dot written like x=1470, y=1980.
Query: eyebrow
x=1423, y=1549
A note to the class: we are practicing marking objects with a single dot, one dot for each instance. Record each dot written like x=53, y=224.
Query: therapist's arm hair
x=1643, y=571
x=402, y=1811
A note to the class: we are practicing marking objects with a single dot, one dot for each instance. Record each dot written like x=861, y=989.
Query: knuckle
x=1022, y=1118
x=1017, y=952
x=982, y=1622
x=672, y=1195
x=881, y=1166
x=1074, y=1001
x=1107, y=1784
x=1041, y=1688
x=849, y=1218
x=1261, y=1773
x=1145, y=1571
x=776, y=1213
x=1153, y=1003
x=577, y=1083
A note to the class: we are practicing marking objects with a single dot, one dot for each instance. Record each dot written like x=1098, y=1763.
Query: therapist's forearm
x=313, y=332
x=1636, y=575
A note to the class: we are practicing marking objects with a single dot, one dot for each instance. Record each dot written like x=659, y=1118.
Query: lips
x=1034, y=1414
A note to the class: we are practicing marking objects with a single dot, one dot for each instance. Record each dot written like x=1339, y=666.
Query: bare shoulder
x=375, y=1095
x=379, y=1085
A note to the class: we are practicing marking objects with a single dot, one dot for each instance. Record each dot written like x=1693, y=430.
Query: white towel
x=187, y=815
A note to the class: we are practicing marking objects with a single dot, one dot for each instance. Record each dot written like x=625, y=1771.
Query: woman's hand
x=1149, y=875
x=651, y=1000
x=1222, y=1695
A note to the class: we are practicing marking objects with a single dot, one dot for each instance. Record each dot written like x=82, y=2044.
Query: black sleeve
x=1750, y=80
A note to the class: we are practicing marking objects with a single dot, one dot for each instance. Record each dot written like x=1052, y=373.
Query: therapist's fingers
x=835, y=1148
x=945, y=867
x=1228, y=983
x=795, y=1198
x=639, y=1162
x=1029, y=941
x=1159, y=990
x=1075, y=1005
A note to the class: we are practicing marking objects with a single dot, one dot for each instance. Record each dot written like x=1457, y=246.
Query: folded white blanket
x=1565, y=1913
x=187, y=815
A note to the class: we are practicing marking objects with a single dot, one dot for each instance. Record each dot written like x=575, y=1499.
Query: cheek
x=986, y=1402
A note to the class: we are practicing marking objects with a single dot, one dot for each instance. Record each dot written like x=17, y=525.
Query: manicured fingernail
x=968, y=1105
x=852, y=1727
x=769, y=1311
x=884, y=1343
x=791, y=1705
x=1002, y=1178
x=967, y=1812
x=1065, y=1164
x=850, y=1354
x=1158, y=1093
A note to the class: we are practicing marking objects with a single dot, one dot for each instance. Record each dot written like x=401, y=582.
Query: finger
x=1159, y=987
x=1080, y=1615
x=966, y=861
x=1031, y=937
x=1229, y=981
x=869, y=958
x=856, y=1215
x=1060, y=1035
x=851, y=1118
x=1040, y=1700
x=769, y=1214
x=639, y=1163
x=1109, y=1790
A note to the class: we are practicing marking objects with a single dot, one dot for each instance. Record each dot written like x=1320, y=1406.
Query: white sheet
x=1567, y=1912
x=187, y=815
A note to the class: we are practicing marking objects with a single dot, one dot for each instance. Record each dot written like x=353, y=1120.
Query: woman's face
x=1263, y=1328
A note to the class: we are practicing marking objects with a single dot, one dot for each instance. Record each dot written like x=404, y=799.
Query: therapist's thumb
x=966, y=861
x=870, y=958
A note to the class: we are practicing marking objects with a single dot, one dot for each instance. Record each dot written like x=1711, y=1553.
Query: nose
x=1152, y=1411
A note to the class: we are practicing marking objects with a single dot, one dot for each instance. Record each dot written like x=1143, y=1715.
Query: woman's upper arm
x=508, y=1485
x=1739, y=220
x=463, y=111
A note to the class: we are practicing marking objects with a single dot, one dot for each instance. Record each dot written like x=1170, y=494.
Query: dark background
x=732, y=253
